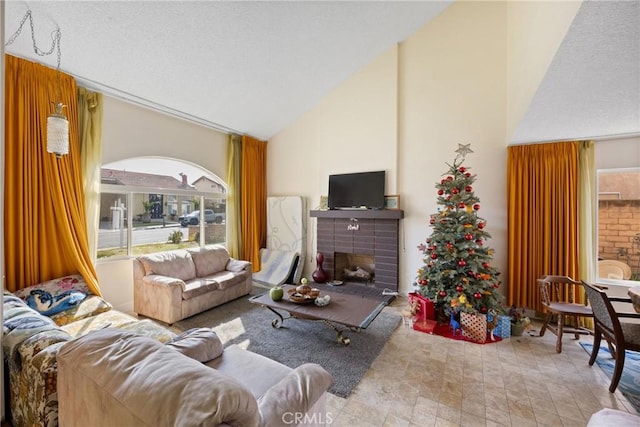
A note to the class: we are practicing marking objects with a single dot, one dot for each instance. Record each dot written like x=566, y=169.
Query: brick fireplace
x=368, y=239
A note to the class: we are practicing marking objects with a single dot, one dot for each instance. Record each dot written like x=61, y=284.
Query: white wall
x=133, y=131
x=618, y=153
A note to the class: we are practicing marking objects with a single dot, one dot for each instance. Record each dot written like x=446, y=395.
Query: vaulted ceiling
x=255, y=67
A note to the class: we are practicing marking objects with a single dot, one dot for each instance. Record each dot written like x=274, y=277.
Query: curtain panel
x=542, y=193
x=45, y=230
x=234, y=173
x=90, y=126
x=253, y=199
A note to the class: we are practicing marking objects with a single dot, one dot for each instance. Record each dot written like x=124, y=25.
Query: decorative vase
x=319, y=276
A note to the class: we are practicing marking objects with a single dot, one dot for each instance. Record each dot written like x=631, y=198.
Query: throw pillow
x=47, y=304
x=201, y=344
x=210, y=260
x=55, y=287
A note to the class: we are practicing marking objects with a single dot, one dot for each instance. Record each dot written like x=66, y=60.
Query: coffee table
x=345, y=311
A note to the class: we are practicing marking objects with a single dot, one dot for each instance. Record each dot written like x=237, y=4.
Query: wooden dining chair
x=558, y=294
x=620, y=336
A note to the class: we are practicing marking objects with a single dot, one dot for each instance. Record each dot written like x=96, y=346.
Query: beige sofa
x=171, y=286
x=117, y=378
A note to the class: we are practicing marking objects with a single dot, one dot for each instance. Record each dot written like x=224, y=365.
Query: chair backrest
x=603, y=312
x=613, y=269
x=557, y=288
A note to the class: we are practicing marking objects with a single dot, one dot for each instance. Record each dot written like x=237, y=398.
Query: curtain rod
x=134, y=99
x=586, y=138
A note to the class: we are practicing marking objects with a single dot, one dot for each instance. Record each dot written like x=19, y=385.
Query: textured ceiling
x=255, y=67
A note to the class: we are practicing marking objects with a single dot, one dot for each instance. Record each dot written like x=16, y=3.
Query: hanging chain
x=56, y=35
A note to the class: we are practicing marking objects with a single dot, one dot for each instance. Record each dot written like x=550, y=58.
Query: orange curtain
x=253, y=199
x=543, y=217
x=45, y=233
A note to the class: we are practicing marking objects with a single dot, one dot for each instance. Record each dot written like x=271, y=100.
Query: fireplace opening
x=354, y=267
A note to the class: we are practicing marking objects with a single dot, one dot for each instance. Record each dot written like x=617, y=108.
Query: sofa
x=173, y=285
x=31, y=340
x=118, y=378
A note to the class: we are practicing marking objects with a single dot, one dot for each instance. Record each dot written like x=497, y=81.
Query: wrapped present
x=424, y=309
x=427, y=326
x=474, y=326
x=503, y=327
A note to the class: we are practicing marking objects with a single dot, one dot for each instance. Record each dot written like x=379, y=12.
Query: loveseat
x=117, y=378
x=31, y=340
x=173, y=285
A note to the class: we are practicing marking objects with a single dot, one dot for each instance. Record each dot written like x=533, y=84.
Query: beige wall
x=407, y=112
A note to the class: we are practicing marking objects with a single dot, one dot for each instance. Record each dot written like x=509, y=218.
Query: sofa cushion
x=209, y=261
x=201, y=344
x=178, y=264
x=227, y=279
x=197, y=287
x=55, y=287
x=237, y=265
x=90, y=306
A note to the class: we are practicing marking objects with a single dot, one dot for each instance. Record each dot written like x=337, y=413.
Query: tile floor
x=427, y=380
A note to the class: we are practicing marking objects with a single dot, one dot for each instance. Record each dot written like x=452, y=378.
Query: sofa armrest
x=297, y=392
x=237, y=265
x=159, y=297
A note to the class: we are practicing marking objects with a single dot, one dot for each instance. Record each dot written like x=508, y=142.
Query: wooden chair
x=558, y=298
x=620, y=336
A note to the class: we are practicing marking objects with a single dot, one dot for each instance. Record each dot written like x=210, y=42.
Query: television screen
x=364, y=190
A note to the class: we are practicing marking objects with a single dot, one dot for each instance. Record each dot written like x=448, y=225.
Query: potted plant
x=519, y=322
x=146, y=205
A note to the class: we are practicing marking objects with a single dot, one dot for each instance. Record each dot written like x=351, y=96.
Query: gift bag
x=474, y=326
x=425, y=309
x=503, y=327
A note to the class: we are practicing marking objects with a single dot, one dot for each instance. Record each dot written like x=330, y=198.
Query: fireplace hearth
x=360, y=246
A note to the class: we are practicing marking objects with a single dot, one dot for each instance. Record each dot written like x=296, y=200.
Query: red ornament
x=462, y=169
x=459, y=288
x=432, y=221
x=471, y=274
x=485, y=264
x=461, y=205
x=479, y=242
x=449, y=178
x=434, y=255
x=476, y=206
x=477, y=295
x=462, y=263
x=443, y=181
x=423, y=282
x=483, y=309
x=468, y=189
x=449, y=245
x=440, y=192
x=469, y=236
x=442, y=294
x=468, y=175
x=481, y=225
x=470, y=251
x=455, y=191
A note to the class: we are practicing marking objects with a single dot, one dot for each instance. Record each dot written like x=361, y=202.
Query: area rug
x=629, y=384
x=298, y=341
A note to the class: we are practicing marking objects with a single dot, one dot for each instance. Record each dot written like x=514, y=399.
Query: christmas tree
x=457, y=274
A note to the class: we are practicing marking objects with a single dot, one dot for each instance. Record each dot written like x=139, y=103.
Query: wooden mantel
x=365, y=232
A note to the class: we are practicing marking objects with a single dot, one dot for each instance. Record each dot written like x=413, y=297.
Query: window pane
x=619, y=224
x=112, y=236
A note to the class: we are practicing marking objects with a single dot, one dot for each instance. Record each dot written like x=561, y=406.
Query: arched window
x=151, y=204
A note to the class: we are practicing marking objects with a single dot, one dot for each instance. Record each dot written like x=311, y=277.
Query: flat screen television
x=363, y=190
